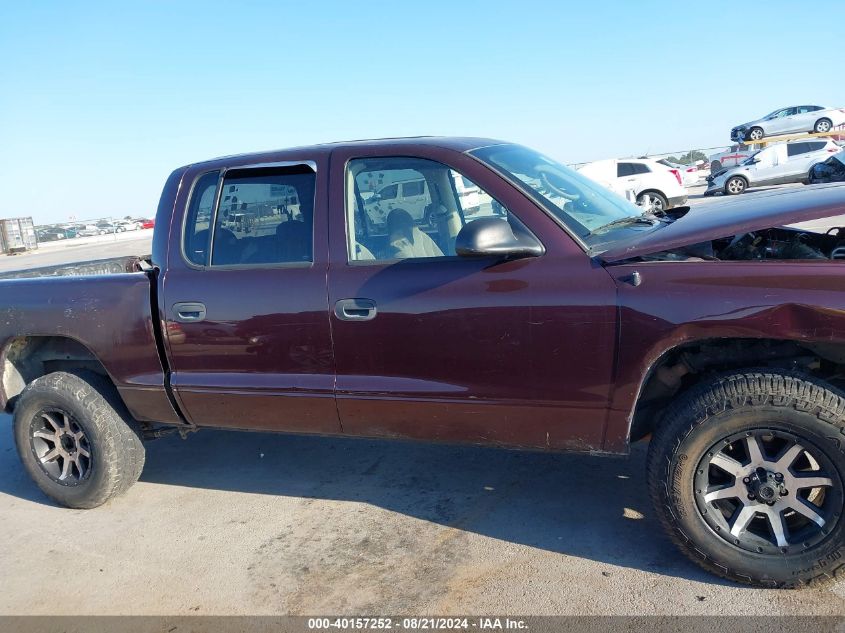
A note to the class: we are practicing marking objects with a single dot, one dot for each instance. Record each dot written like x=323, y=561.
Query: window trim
x=184, y=232
x=213, y=227
x=415, y=260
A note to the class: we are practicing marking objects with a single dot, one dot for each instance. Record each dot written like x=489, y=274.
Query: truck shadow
x=578, y=505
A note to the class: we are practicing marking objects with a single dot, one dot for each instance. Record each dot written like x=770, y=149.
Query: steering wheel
x=545, y=171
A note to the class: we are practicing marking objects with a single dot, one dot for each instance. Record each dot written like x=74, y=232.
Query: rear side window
x=265, y=216
x=814, y=146
x=198, y=219
x=793, y=149
x=624, y=169
x=413, y=188
x=639, y=168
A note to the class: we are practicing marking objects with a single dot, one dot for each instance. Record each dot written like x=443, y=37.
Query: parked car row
x=103, y=227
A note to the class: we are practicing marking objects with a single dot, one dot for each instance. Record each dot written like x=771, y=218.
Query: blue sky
x=100, y=101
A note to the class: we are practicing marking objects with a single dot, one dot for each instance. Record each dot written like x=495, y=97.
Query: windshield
x=582, y=205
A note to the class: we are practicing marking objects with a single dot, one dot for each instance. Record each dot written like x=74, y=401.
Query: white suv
x=775, y=165
x=641, y=176
x=412, y=195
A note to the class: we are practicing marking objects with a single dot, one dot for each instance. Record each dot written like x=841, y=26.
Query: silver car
x=805, y=118
x=775, y=165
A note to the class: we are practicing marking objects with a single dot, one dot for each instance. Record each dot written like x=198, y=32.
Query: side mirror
x=493, y=237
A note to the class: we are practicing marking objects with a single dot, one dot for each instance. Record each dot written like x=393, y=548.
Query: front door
x=430, y=345
x=244, y=300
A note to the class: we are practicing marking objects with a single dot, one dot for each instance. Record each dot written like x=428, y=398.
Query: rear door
x=433, y=346
x=244, y=298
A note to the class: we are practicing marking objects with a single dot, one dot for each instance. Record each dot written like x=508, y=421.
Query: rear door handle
x=189, y=312
x=355, y=309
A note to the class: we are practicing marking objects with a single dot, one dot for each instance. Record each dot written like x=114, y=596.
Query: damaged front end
x=780, y=244
x=759, y=229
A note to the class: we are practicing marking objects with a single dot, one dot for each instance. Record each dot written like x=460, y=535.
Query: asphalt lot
x=250, y=523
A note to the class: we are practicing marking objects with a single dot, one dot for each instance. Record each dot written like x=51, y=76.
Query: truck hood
x=733, y=217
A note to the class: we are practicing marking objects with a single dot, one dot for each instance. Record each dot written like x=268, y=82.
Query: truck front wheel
x=76, y=439
x=746, y=475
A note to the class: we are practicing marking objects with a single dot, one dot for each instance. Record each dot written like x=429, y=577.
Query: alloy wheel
x=768, y=491
x=61, y=447
x=823, y=126
x=735, y=185
x=756, y=134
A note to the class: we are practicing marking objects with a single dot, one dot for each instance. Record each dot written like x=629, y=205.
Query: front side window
x=264, y=216
x=423, y=222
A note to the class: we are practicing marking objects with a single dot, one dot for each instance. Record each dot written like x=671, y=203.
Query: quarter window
x=198, y=219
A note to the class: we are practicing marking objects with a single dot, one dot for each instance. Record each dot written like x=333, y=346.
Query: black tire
x=111, y=438
x=739, y=405
x=735, y=185
x=823, y=126
x=755, y=134
x=715, y=166
x=659, y=200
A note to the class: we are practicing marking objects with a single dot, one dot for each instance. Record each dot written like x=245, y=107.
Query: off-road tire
x=91, y=401
x=730, y=403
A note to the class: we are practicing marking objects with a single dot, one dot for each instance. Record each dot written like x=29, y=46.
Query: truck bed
x=105, y=307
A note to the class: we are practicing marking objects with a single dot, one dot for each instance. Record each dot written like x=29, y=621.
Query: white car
x=775, y=165
x=644, y=177
x=689, y=173
x=130, y=225
x=804, y=118
x=413, y=196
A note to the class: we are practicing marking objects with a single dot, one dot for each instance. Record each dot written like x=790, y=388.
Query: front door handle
x=189, y=312
x=355, y=309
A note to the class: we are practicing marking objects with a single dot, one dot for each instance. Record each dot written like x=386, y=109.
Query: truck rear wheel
x=746, y=475
x=76, y=440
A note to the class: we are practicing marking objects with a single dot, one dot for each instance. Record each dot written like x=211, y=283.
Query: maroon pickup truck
x=462, y=290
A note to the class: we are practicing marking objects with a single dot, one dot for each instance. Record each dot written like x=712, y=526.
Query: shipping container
x=17, y=235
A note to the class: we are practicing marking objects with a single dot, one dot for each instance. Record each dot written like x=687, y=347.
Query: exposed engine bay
x=768, y=244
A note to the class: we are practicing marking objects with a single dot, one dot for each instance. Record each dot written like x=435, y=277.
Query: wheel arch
x=25, y=358
x=823, y=118
x=690, y=362
x=653, y=190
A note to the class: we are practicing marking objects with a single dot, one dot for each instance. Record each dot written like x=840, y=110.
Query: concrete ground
x=248, y=523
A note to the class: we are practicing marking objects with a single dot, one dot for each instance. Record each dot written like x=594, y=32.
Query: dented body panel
x=678, y=303
x=734, y=217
